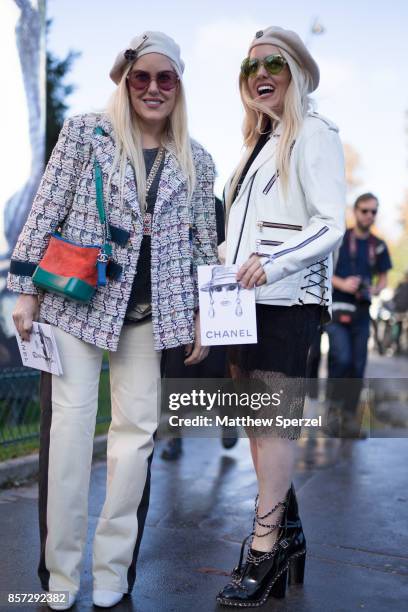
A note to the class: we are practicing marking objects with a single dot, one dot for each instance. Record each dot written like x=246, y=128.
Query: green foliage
x=13, y=439
x=399, y=256
x=399, y=249
x=57, y=92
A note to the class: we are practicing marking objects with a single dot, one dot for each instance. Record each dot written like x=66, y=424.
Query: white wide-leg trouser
x=134, y=376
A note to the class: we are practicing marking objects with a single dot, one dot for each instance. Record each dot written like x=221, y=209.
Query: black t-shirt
x=360, y=264
x=141, y=292
x=220, y=220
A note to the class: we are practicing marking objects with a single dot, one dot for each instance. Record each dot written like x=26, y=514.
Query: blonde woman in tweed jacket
x=145, y=122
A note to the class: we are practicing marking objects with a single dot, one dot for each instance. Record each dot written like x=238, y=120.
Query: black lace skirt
x=278, y=362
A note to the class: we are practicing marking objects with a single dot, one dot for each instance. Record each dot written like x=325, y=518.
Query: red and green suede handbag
x=74, y=270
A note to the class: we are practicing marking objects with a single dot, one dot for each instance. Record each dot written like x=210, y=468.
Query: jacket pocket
x=261, y=244
x=284, y=226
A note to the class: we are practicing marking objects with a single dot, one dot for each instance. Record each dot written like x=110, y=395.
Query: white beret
x=291, y=43
x=148, y=42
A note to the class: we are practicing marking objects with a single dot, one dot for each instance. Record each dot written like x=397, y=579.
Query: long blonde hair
x=296, y=105
x=128, y=139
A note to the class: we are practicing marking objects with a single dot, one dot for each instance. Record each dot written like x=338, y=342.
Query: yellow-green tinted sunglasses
x=274, y=64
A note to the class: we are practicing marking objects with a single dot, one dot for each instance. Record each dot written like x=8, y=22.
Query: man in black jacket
x=362, y=258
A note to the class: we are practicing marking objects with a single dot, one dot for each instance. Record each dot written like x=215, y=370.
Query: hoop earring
x=211, y=311
x=238, y=307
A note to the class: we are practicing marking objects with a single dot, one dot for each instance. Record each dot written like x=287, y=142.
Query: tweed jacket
x=183, y=236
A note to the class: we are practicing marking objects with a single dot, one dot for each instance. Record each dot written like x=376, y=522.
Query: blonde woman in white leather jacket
x=286, y=215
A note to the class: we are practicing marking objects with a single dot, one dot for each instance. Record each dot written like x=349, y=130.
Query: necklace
x=154, y=169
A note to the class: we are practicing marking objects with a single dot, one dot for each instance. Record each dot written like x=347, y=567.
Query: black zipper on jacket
x=318, y=234
x=274, y=178
x=268, y=243
x=269, y=224
x=244, y=219
x=270, y=183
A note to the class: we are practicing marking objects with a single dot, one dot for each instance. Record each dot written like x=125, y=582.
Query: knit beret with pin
x=293, y=45
x=148, y=42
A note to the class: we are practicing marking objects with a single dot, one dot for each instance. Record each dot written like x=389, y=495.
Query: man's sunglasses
x=366, y=211
x=274, y=64
x=140, y=79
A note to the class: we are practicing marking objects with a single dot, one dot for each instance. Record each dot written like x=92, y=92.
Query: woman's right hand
x=25, y=312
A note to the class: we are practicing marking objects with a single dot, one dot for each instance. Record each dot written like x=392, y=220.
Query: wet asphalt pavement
x=353, y=498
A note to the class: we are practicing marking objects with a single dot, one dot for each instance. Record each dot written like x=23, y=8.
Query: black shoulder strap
x=373, y=244
x=259, y=145
x=243, y=220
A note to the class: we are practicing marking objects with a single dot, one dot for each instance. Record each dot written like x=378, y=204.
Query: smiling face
x=264, y=87
x=153, y=105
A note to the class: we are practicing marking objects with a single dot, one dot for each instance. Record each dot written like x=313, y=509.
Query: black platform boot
x=266, y=573
x=297, y=546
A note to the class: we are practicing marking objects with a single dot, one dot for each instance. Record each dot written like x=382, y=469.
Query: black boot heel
x=265, y=574
x=279, y=588
x=297, y=570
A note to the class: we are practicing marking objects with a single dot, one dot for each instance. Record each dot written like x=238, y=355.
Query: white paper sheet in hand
x=40, y=351
x=227, y=312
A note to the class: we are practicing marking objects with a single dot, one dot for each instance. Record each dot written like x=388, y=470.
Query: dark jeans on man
x=348, y=358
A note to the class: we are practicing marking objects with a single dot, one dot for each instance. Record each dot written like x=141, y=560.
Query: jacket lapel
x=104, y=150
x=172, y=179
x=266, y=154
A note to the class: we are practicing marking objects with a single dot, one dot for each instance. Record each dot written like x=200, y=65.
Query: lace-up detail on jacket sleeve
x=317, y=281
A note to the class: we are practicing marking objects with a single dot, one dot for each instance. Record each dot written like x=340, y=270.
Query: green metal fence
x=20, y=409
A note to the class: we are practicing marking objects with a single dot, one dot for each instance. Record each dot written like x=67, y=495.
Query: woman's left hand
x=196, y=352
x=251, y=273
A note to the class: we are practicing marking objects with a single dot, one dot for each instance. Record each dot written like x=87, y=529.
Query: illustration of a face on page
x=227, y=311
